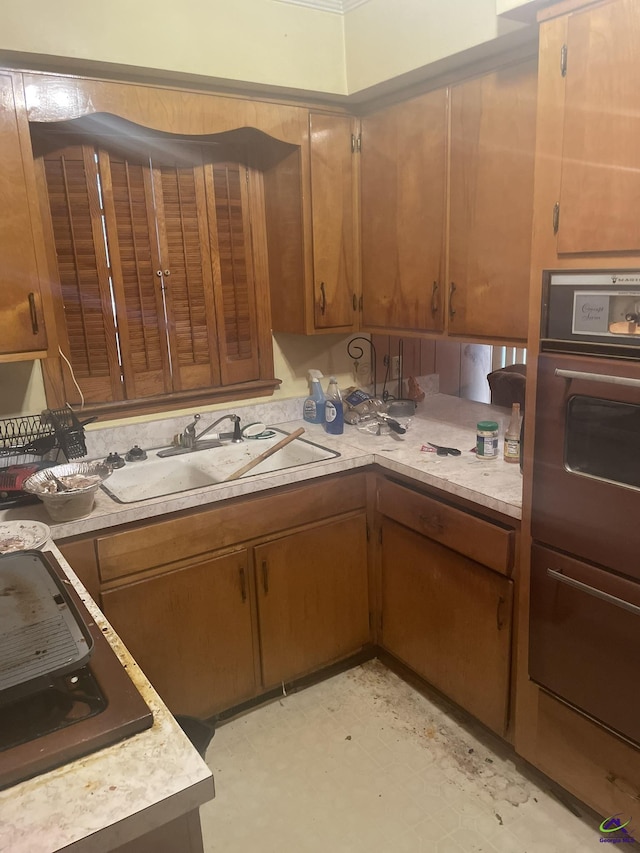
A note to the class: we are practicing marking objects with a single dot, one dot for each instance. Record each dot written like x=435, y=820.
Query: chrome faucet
x=236, y=437
x=188, y=440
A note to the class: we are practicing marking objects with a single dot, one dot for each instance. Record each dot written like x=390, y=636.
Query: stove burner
x=67, y=700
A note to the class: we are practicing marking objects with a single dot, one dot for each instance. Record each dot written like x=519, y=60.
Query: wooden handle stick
x=276, y=447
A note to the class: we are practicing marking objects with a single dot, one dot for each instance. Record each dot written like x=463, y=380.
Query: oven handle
x=597, y=593
x=597, y=377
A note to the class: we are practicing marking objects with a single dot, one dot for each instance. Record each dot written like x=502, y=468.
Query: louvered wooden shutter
x=184, y=249
x=71, y=175
x=233, y=266
x=133, y=247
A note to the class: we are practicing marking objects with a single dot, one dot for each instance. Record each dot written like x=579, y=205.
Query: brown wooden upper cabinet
x=476, y=283
x=492, y=143
x=314, y=277
x=22, y=329
x=403, y=174
x=597, y=75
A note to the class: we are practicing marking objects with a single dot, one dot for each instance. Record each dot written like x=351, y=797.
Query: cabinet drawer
x=474, y=537
x=185, y=536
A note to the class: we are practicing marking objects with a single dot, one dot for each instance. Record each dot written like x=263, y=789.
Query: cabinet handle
x=265, y=577
x=556, y=217
x=34, y=314
x=434, y=298
x=499, y=620
x=355, y=302
x=452, y=310
x=167, y=272
x=323, y=298
x=243, y=583
x=596, y=593
x=159, y=273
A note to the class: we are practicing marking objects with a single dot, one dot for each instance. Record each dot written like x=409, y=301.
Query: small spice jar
x=487, y=440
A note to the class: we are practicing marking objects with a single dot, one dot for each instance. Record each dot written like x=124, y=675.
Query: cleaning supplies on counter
x=333, y=410
x=512, y=436
x=313, y=409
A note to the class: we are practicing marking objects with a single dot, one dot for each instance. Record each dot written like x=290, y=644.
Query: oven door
x=585, y=638
x=586, y=480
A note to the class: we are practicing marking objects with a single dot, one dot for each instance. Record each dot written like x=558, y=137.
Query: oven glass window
x=603, y=439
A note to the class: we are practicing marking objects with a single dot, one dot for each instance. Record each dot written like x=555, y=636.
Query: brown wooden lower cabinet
x=190, y=630
x=449, y=619
x=313, y=605
x=212, y=630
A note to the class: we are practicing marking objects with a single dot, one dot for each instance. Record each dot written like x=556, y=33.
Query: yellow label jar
x=487, y=440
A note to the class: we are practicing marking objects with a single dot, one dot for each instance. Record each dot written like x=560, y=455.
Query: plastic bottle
x=512, y=436
x=313, y=408
x=333, y=411
x=487, y=440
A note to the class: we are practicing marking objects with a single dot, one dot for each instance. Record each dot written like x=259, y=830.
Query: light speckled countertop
x=440, y=419
x=113, y=795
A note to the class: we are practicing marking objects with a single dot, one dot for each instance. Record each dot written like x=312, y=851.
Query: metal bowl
x=75, y=502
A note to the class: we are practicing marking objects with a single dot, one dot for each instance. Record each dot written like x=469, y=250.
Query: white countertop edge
x=116, y=794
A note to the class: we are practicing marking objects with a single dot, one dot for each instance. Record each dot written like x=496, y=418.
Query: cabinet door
x=600, y=183
x=403, y=194
x=449, y=619
x=312, y=598
x=332, y=188
x=491, y=202
x=21, y=320
x=191, y=632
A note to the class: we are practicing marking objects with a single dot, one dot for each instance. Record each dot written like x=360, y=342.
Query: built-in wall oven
x=585, y=571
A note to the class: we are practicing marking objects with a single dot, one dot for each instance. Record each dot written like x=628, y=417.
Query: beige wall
x=386, y=39
x=256, y=41
x=260, y=41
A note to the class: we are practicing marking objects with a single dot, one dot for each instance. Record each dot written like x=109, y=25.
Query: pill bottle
x=487, y=440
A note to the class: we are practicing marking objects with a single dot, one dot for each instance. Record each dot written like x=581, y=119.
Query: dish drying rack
x=48, y=435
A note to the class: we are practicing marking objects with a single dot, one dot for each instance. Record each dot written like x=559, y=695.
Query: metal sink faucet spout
x=189, y=440
x=237, y=436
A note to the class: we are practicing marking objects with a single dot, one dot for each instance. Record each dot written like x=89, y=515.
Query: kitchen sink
x=157, y=476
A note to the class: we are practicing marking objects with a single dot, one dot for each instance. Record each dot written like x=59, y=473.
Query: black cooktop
x=75, y=714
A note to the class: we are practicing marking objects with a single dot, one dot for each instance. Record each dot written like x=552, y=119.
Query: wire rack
x=41, y=435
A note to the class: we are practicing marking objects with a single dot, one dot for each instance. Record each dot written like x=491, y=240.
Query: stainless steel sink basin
x=156, y=476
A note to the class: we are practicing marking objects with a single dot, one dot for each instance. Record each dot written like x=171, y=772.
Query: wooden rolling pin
x=276, y=447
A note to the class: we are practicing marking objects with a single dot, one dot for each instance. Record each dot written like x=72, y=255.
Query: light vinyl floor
x=363, y=763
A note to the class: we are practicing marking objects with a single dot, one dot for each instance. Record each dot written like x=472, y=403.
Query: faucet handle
x=188, y=437
x=192, y=426
x=237, y=432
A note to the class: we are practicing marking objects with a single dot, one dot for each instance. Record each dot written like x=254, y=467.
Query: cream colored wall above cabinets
x=388, y=38
x=260, y=42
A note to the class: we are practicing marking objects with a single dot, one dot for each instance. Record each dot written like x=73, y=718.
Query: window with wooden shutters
x=156, y=258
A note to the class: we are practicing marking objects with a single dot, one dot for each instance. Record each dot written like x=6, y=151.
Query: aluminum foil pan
x=78, y=500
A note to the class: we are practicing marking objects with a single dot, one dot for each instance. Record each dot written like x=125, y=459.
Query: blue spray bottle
x=333, y=410
x=313, y=408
